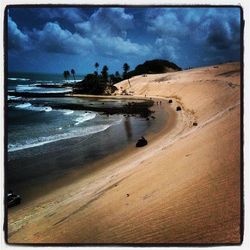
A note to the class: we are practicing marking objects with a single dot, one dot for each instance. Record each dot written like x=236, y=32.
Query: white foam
x=70, y=81
x=10, y=97
x=68, y=112
x=85, y=117
x=29, y=106
x=24, y=88
x=24, y=105
x=65, y=90
x=32, y=88
x=49, y=139
x=18, y=79
x=43, y=81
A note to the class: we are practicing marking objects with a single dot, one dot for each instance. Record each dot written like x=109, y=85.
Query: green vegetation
x=98, y=84
x=66, y=74
x=126, y=68
x=103, y=83
x=153, y=67
x=73, y=74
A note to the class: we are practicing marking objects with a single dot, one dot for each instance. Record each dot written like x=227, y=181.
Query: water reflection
x=128, y=128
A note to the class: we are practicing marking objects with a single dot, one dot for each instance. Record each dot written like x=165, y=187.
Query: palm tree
x=66, y=74
x=105, y=73
x=126, y=68
x=97, y=66
x=73, y=73
x=117, y=74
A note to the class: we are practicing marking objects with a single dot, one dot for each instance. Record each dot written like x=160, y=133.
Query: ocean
x=45, y=143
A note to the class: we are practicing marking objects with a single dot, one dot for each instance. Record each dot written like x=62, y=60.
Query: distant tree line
x=99, y=83
x=103, y=83
x=66, y=74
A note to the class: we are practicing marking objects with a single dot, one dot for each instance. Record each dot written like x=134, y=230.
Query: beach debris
x=195, y=124
x=178, y=108
x=127, y=195
x=13, y=199
x=141, y=142
x=170, y=101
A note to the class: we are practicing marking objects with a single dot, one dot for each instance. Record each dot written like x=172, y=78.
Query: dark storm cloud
x=70, y=14
x=218, y=36
x=39, y=16
x=187, y=36
x=206, y=31
x=224, y=35
x=17, y=40
x=113, y=21
x=52, y=38
x=107, y=28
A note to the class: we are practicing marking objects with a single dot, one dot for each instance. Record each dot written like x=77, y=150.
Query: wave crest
x=29, y=106
x=53, y=138
x=84, y=117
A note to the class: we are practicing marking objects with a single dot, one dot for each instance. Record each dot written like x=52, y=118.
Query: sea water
x=46, y=143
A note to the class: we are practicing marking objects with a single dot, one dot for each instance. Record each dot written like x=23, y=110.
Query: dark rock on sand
x=170, y=101
x=141, y=142
x=178, y=108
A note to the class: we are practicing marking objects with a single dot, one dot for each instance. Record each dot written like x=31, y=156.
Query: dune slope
x=182, y=188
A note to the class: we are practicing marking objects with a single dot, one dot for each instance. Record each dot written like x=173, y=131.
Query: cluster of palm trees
x=99, y=82
x=113, y=77
x=66, y=74
x=104, y=73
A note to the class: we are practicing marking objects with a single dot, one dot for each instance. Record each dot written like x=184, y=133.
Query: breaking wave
x=53, y=138
x=29, y=106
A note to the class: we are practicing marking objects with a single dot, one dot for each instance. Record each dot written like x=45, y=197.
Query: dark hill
x=154, y=67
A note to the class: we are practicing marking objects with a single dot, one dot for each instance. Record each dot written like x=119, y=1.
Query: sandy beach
x=183, y=187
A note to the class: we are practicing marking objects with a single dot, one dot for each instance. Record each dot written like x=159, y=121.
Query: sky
x=52, y=40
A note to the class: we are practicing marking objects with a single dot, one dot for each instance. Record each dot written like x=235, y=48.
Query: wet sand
x=184, y=187
x=51, y=166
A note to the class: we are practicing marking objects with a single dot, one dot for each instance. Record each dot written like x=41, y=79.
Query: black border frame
x=242, y=24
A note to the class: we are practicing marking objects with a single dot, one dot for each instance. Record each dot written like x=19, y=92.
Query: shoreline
x=152, y=133
x=188, y=175
x=77, y=176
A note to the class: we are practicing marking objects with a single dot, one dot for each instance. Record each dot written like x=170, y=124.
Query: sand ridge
x=183, y=187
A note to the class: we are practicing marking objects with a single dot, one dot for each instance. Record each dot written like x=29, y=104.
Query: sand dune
x=184, y=187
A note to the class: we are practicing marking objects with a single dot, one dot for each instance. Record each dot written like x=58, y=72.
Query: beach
x=183, y=187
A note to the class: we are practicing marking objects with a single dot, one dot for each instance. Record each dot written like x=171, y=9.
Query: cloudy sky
x=55, y=39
